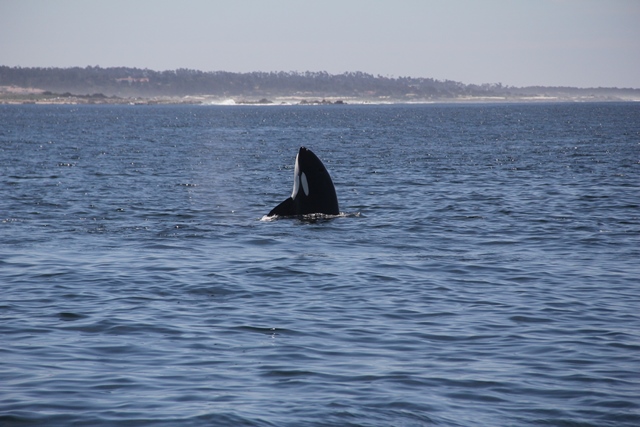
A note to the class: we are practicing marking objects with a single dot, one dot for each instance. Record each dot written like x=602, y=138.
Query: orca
x=313, y=190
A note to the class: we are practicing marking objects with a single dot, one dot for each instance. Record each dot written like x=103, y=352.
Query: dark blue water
x=486, y=270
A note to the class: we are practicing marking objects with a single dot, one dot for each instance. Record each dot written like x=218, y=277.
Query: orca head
x=313, y=190
x=306, y=162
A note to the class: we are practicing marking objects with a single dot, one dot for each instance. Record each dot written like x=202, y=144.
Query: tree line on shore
x=136, y=82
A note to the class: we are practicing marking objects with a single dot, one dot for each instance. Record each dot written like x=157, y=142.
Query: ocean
x=485, y=269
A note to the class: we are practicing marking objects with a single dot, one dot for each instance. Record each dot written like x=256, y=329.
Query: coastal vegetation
x=118, y=84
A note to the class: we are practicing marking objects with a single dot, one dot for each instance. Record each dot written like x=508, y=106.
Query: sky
x=581, y=43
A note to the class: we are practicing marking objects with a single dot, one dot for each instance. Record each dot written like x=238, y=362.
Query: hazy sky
x=584, y=43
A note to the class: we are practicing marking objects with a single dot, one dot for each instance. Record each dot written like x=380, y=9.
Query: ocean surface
x=485, y=270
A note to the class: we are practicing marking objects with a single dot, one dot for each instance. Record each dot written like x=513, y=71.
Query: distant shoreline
x=126, y=85
x=31, y=96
